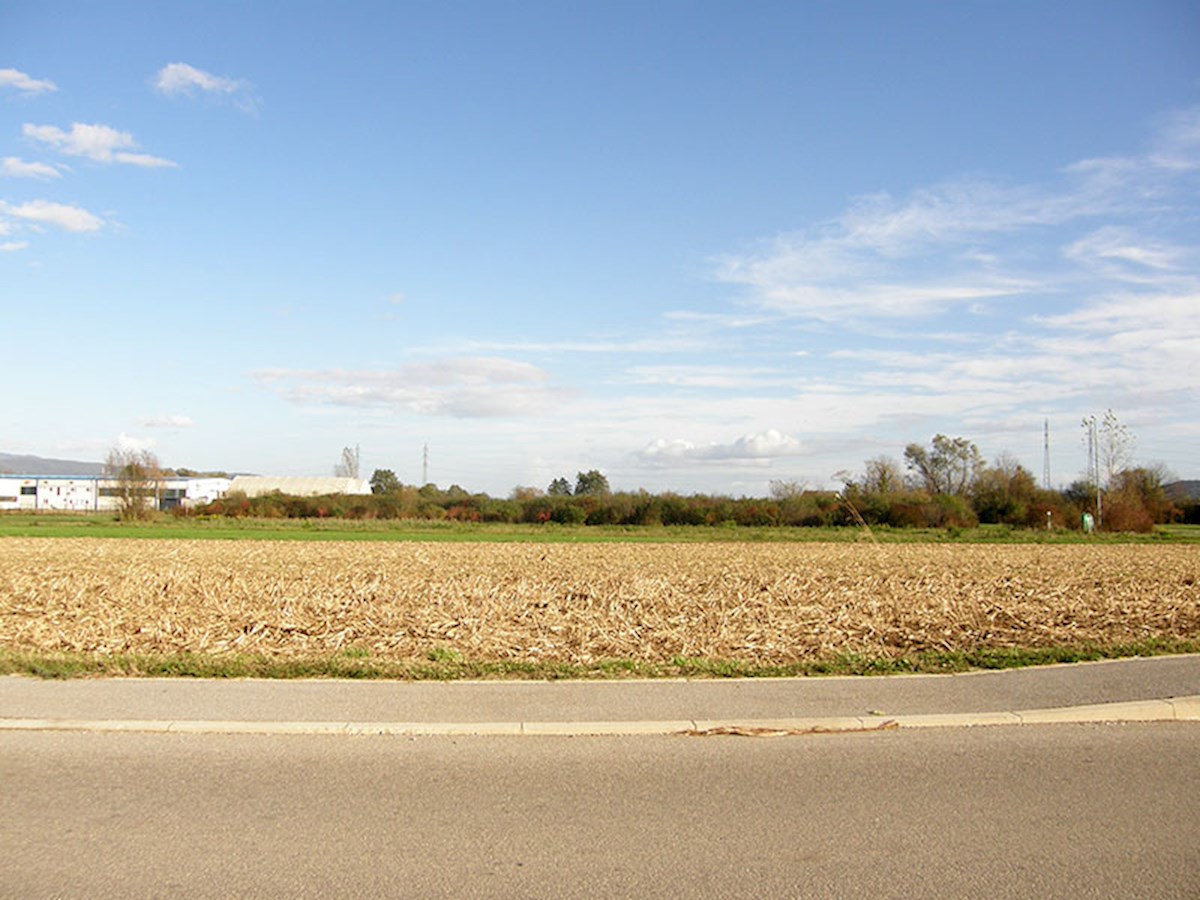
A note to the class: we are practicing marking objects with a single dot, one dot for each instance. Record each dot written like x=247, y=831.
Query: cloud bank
x=970, y=243
x=756, y=448
x=168, y=422
x=471, y=387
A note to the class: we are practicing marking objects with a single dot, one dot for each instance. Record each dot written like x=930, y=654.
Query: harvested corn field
x=579, y=604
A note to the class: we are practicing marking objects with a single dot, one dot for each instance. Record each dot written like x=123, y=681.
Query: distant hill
x=17, y=464
x=1183, y=490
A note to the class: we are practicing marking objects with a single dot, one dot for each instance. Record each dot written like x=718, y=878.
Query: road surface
x=1029, y=811
x=1067, y=810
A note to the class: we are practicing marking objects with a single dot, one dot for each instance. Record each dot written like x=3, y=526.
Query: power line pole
x=1046, y=456
x=425, y=466
x=1093, y=444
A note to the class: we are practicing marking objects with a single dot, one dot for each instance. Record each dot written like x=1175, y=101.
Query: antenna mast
x=425, y=466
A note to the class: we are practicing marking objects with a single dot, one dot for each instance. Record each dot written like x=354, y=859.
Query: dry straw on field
x=576, y=604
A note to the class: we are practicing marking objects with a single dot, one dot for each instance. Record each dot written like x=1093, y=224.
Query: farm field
x=75, y=606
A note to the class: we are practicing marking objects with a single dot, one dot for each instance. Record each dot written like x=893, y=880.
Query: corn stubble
x=578, y=604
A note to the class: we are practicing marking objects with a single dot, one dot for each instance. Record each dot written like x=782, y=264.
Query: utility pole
x=1046, y=456
x=1093, y=443
x=425, y=466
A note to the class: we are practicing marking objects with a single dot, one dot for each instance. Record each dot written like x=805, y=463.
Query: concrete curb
x=1176, y=709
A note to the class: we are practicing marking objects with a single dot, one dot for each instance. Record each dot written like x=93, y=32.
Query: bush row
x=1123, y=510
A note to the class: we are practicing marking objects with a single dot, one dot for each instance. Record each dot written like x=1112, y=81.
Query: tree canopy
x=592, y=483
x=949, y=467
x=384, y=481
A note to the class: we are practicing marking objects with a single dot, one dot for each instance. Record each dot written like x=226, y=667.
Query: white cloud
x=1111, y=248
x=1131, y=313
x=144, y=160
x=129, y=442
x=1178, y=143
x=708, y=376
x=954, y=244
x=68, y=218
x=653, y=345
x=182, y=80
x=167, y=422
x=758, y=448
x=13, y=246
x=718, y=320
x=23, y=83
x=471, y=387
x=99, y=143
x=12, y=167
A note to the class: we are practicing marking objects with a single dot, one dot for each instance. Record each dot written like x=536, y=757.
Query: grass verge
x=451, y=666
x=102, y=525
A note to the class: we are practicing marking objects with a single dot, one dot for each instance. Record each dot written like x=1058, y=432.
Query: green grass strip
x=60, y=525
x=450, y=666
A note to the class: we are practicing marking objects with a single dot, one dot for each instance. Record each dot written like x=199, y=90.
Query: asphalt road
x=1029, y=811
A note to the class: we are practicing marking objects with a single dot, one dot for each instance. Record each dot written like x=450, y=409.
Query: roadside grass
x=102, y=525
x=452, y=666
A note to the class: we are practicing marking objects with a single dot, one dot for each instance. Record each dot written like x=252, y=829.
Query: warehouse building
x=259, y=485
x=93, y=493
x=90, y=493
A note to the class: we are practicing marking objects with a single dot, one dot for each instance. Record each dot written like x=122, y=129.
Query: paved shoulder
x=1134, y=688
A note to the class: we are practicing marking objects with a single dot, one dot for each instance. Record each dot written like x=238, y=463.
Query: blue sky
x=698, y=246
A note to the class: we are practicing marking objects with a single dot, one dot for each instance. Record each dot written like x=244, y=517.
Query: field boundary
x=65, y=525
x=62, y=665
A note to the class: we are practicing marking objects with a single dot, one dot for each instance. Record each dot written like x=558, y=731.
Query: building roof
x=257, y=485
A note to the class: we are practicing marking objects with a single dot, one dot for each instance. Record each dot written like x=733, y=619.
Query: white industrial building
x=91, y=493
x=258, y=485
x=94, y=493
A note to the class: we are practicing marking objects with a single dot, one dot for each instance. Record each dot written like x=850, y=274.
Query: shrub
x=1125, y=512
x=568, y=514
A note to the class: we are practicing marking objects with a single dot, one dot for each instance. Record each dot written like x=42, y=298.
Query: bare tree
x=1116, y=447
x=524, y=492
x=135, y=477
x=882, y=475
x=348, y=467
x=786, y=489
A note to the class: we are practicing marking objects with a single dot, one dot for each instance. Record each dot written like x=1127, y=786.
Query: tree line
x=946, y=484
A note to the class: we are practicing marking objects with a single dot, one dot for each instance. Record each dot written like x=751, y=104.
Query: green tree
x=384, y=481
x=1004, y=492
x=591, y=483
x=950, y=466
x=559, y=487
